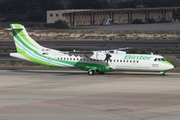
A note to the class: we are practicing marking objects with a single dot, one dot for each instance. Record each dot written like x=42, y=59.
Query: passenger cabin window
x=48, y=49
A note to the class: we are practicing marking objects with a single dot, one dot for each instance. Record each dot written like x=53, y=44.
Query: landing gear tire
x=91, y=72
x=162, y=73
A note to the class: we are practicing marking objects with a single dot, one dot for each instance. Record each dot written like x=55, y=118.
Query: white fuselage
x=125, y=62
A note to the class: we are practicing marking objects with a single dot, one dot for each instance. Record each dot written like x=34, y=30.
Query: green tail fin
x=23, y=41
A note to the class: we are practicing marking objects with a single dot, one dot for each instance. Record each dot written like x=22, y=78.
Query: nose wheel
x=162, y=73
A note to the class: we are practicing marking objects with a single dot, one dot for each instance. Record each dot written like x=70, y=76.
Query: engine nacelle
x=98, y=55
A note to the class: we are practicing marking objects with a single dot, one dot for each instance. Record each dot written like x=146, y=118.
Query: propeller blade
x=108, y=56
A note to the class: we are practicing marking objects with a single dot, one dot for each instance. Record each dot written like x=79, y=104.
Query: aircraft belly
x=133, y=67
x=137, y=68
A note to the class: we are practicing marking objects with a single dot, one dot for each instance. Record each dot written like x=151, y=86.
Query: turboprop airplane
x=92, y=61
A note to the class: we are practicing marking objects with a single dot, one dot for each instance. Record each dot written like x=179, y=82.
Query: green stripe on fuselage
x=166, y=62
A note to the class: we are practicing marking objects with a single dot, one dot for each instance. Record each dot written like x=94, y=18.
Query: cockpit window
x=159, y=59
x=162, y=59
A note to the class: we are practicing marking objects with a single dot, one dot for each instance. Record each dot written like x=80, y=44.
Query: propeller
x=108, y=56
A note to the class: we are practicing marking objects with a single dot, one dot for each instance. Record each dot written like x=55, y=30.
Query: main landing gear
x=92, y=72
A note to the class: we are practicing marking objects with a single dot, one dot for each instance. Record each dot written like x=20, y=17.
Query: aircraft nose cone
x=170, y=66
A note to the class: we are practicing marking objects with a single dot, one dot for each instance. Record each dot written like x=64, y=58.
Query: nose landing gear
x=162, y=73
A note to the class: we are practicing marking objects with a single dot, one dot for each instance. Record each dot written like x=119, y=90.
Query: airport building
x=91, y=17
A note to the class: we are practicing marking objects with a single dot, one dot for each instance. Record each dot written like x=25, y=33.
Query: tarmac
x=44, y=94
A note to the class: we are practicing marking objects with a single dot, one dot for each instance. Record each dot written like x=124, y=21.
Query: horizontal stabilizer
x=13, y=28
x=20, y=56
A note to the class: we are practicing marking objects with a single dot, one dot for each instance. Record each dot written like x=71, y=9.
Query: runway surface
x=30, y=94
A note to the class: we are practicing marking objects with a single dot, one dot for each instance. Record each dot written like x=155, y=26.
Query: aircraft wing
x=80, y=53
x=98, y=55
x=116, y=51
x=126, y=48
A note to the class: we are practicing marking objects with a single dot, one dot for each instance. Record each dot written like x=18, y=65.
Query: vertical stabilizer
x=22, y=40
